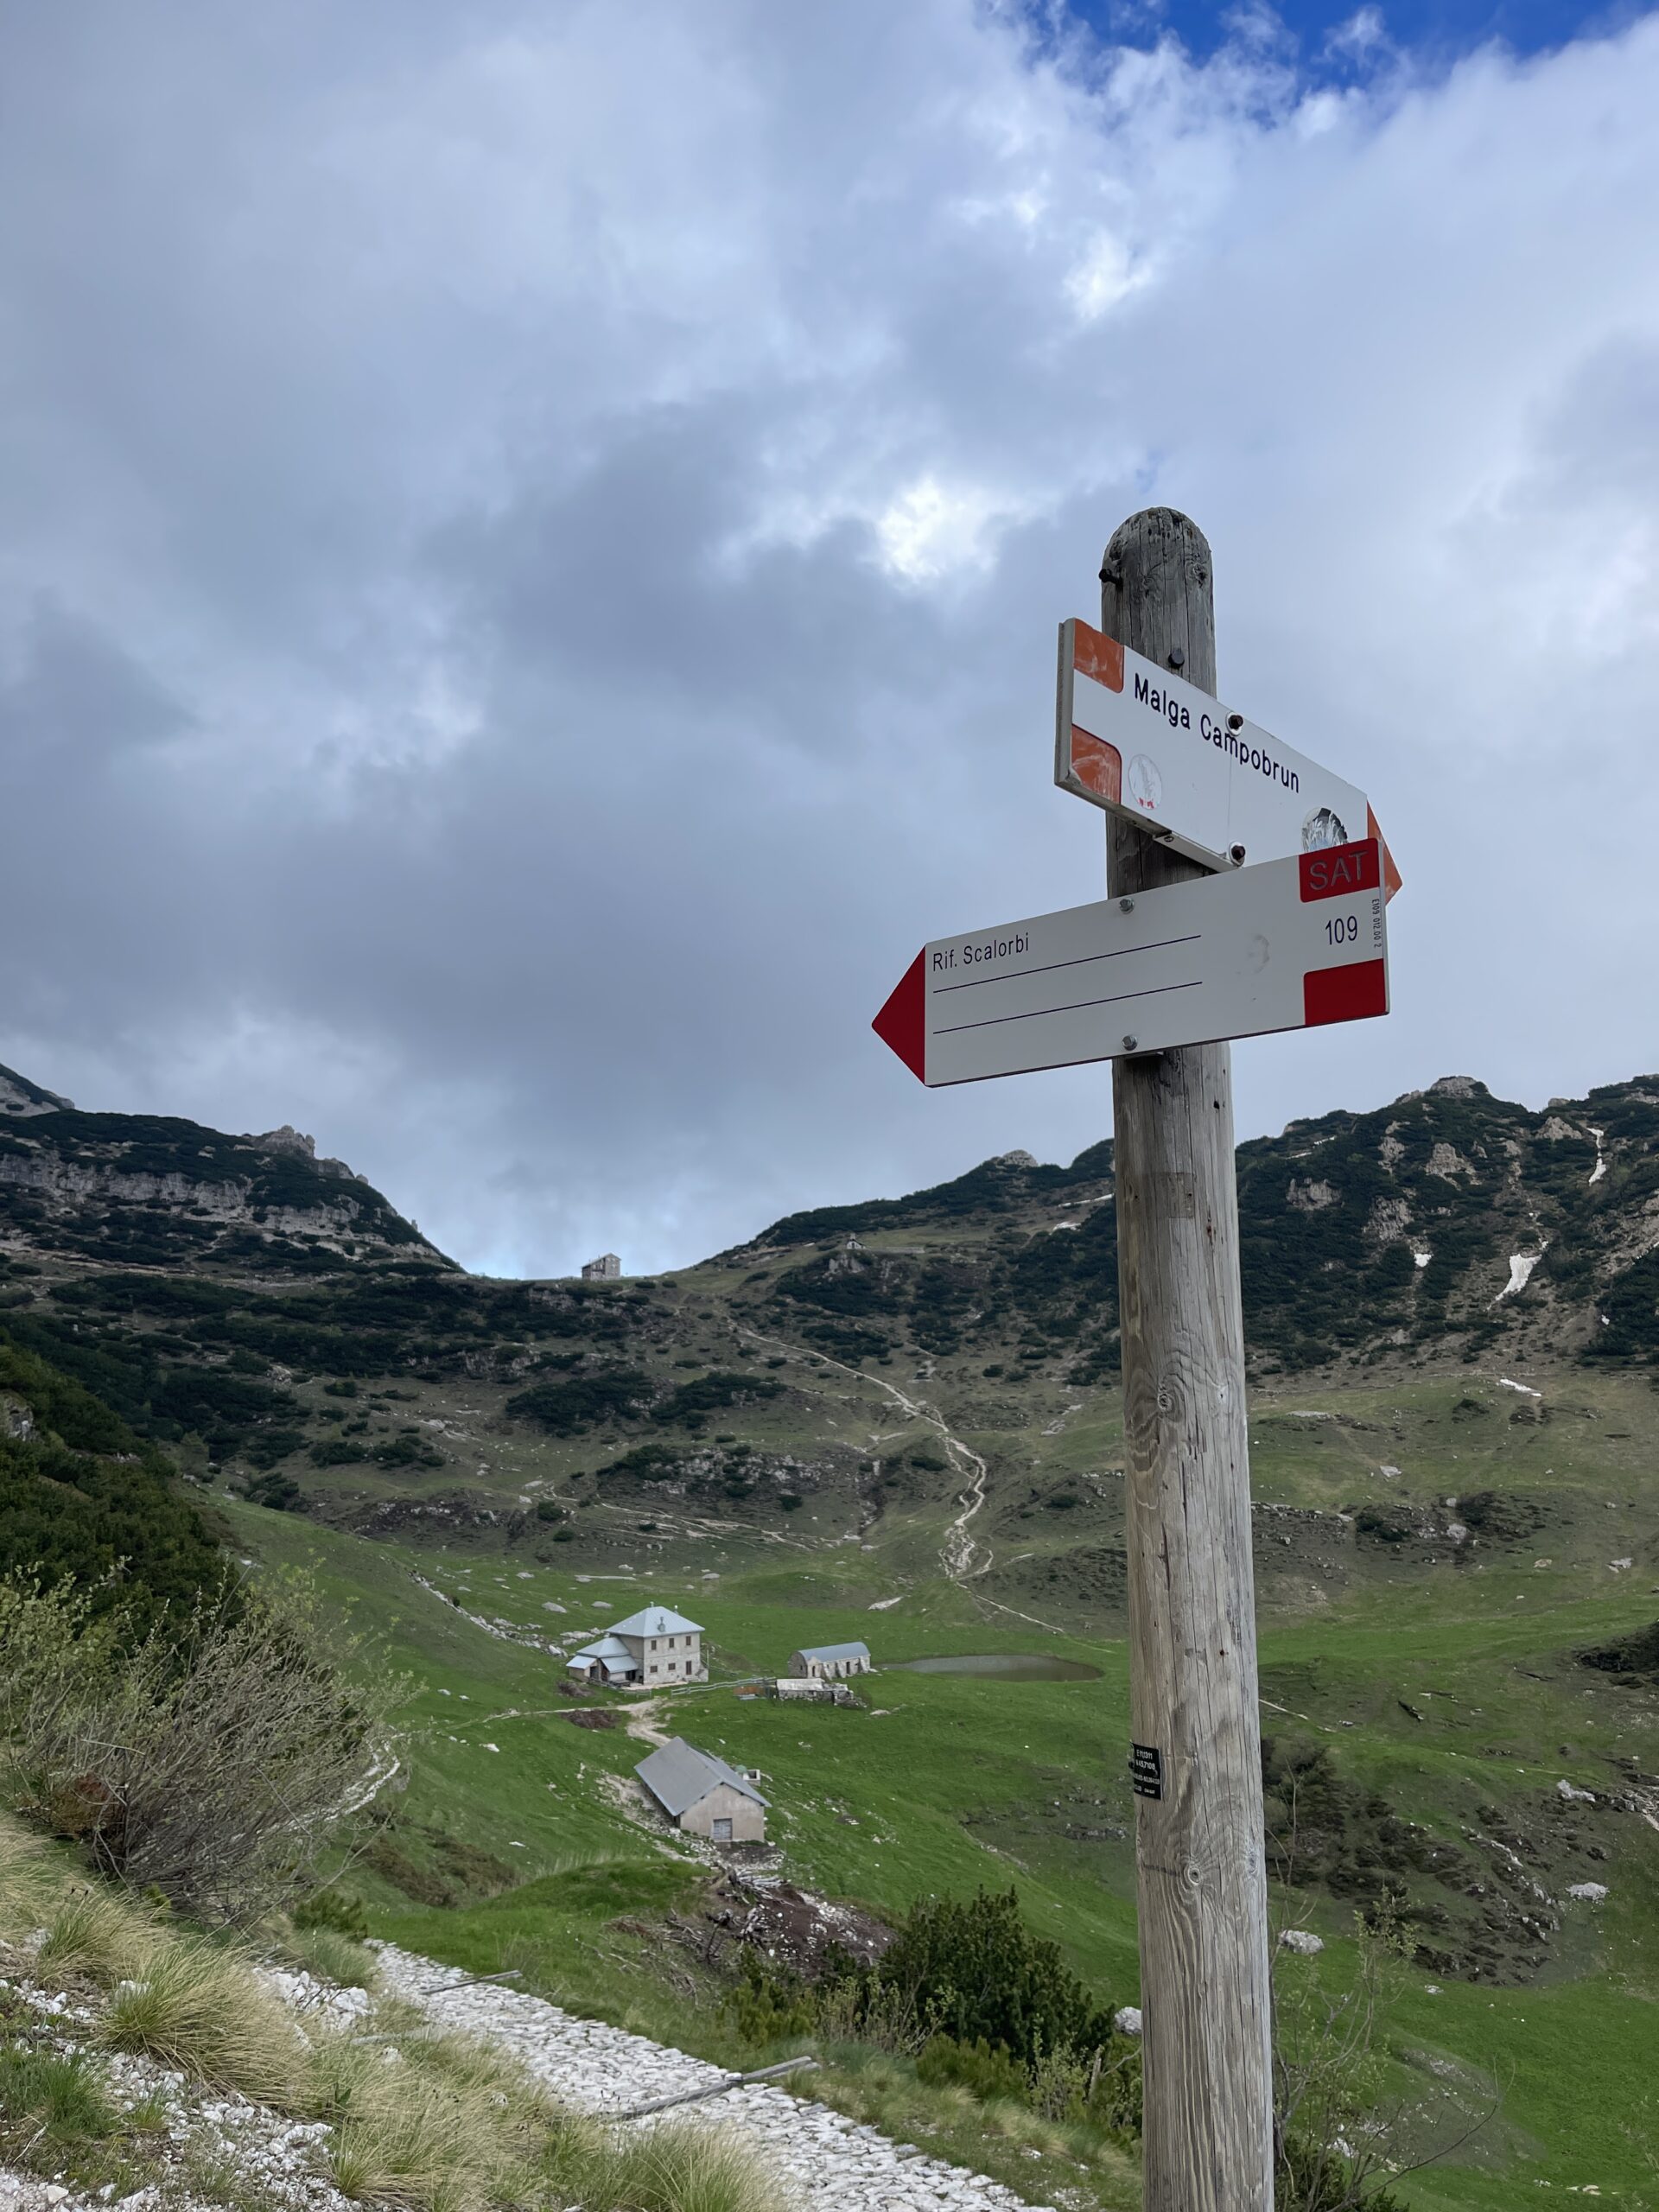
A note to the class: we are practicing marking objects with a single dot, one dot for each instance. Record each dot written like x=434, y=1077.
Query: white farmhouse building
x=829, y=1663
x=653, y=1649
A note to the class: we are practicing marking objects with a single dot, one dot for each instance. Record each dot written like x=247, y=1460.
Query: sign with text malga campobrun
x=1133, y=738
x=1291, y=944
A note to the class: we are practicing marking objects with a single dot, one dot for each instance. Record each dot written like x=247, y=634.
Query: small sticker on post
x=1146, y=1769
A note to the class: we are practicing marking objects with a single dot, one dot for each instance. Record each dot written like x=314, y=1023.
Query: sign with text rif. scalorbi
x=1288, y=945
x=1132, y=738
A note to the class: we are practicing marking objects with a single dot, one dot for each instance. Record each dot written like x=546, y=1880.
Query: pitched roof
x=834, y=1651
x=679, y=1775
x=608, y=1647
x=656, y=1620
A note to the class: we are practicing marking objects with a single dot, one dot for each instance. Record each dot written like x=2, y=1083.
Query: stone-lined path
x=829, y=2162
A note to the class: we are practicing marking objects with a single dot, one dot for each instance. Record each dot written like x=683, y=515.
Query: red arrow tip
x=902, y=1023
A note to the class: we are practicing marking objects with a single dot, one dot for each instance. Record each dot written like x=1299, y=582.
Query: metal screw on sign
x=1130, y=1044
x=1127, y=905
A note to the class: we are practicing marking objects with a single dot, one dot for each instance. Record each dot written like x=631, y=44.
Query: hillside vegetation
x=900, y=1421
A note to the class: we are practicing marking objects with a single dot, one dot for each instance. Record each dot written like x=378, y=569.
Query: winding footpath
x=963, y=1557
x=826, y=2162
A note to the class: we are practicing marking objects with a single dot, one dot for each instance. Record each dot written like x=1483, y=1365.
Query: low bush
x=972, y=1969
x=333, y=1908
x=584, y=1402
x=984, y=2072
x=210, y=1760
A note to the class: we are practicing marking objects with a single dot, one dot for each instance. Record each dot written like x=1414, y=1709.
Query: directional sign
x=1132, y=738
x=1287, y=945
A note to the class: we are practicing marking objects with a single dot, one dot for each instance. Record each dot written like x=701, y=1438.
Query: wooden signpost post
x=1192, y=792
x=1200, y=1869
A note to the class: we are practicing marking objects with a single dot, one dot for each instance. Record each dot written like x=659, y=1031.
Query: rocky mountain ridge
x=149, y=1190
x=269, y=1315
x=1447, y=1221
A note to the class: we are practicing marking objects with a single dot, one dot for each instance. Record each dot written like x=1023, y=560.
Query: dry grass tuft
x=330, y=1955
x=95, y=1933
x=435, y=2127
x=422, y=2124
x=684, y=2168
x=31, y=1887
x=201, y=2009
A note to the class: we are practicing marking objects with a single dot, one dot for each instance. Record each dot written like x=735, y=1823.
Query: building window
x=654, y=1670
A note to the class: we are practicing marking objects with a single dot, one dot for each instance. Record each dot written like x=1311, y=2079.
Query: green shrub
x=693, y=1401
x=70, y=1511
x=335, y=1908
x=984, y=2072
x=582, y=1401
x=277, y=1493
x=973, y=1970
x=770, y=2002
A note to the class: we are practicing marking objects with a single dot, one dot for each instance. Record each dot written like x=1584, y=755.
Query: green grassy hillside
x=900, y=1421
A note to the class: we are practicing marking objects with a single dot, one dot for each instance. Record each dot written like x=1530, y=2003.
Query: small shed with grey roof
x=830, y=1662
x=704, y=1796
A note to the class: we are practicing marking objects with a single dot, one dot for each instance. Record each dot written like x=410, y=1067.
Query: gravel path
x=833, y=2164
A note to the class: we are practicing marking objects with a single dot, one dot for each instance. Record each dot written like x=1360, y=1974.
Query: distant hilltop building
x=606, y=1268
x=656, y=1646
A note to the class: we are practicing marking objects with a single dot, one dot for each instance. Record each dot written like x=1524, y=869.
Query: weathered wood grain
x=1201, y=1875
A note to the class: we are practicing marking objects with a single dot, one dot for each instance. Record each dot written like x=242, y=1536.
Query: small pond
x=1010, y=1666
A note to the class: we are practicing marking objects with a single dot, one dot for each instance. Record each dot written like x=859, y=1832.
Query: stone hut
x=704, y=1796
x=829, y=1663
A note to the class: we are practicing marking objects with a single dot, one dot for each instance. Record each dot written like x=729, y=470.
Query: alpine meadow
x=897, y=1423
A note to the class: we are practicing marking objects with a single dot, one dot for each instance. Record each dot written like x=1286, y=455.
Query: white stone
x=1127, y=2019
x=1302, y=1940
x=1591, y=1892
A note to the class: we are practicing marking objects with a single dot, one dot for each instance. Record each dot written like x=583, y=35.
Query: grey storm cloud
x=531, y=542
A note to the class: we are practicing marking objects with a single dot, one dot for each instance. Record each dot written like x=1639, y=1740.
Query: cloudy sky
x=532, y=531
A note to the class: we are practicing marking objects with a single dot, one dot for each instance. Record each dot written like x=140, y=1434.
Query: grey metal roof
x=834, y=1651
x=657, y=1620
x=679, y=1775
x=608, y=1647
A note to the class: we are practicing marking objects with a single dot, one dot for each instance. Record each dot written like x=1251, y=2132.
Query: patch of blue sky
x=1345, y=42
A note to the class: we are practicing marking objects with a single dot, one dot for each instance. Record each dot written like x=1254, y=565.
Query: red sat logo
x=1340, y=869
